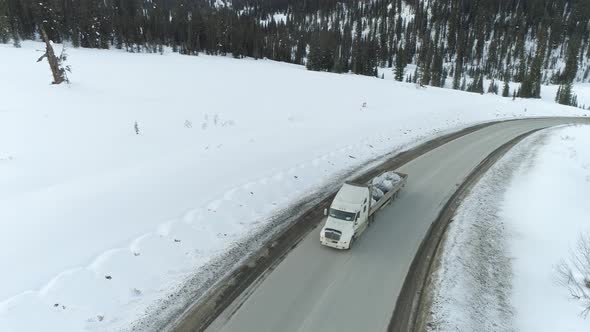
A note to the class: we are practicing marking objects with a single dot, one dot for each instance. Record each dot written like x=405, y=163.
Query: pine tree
x=566, y=96
x=479, y=86
x=15, y=39
x=459, y=59
x=476, y=84
x=48, y=19
x=493, y=88
x=314, y=56
x=571, y=65
x=574, y=101
x=506, y=88
x=4, y=23
x=437, y=68
x=457, y=79
x=426, y=67
x=534, y=78
x=400, y=64
x=443, y=80
x=522, y=69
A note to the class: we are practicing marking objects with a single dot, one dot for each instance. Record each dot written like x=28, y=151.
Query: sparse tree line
x=532, y=42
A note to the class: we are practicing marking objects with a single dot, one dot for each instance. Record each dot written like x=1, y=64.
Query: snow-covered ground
x=499, y=260
x=99, y=224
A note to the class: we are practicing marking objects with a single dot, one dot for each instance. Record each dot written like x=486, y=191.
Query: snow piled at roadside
x=497, y=269
x=101, y=226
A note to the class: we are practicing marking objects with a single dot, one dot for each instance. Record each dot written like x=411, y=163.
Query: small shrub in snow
x=188, y=124
x=227, y=123
x=574, y=273
x=136, y=128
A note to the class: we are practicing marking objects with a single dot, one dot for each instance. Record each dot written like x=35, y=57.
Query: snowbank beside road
x=498, y=265
x=100, y=223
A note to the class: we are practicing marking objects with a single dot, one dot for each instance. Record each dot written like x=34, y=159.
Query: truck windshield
x=342, y=215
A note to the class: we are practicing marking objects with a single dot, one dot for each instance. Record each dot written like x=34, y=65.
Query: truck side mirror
x=325, y=212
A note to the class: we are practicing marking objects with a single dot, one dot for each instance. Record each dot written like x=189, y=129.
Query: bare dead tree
x=59, y=73
x=574, y=273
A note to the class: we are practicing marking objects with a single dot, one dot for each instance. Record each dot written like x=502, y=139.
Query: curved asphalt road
x=320, y=289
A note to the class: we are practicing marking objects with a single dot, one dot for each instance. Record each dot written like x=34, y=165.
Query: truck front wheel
x=350, y=243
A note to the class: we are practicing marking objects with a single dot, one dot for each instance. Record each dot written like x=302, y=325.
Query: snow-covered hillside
x=499, y=268
x=100, y=222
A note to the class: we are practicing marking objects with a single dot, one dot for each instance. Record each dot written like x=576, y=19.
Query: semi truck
x=355, y=206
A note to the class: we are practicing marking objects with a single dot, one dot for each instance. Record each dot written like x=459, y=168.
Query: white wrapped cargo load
x=386, y=182
x=377, y=193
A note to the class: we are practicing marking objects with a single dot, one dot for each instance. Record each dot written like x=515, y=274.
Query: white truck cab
x=347, y=216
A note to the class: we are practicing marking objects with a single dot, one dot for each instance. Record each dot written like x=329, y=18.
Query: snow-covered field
x=499, y=262
x=99, y=224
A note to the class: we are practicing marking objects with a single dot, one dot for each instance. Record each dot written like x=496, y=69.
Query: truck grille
x=332, y=234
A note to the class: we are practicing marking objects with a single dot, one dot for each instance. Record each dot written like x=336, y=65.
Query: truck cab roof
x=351, y=194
